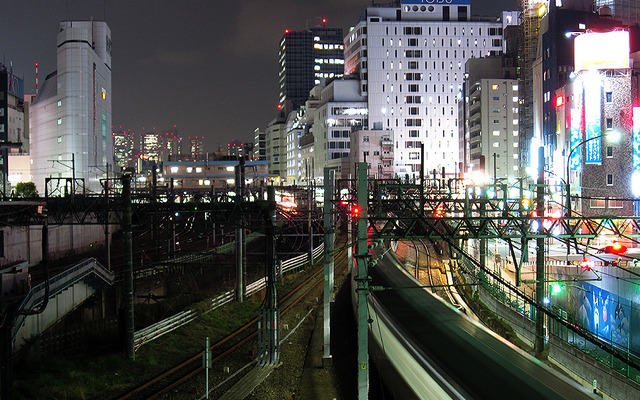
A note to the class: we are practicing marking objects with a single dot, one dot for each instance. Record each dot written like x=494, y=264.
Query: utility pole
x=362, y=280
x=269, y=318
x=310, y=194
x=328, y=262
x=154, y=216
x=240, y=236
x=540, y=278
x=128, y=274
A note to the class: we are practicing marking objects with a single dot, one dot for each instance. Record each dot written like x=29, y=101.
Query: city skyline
x=166, y=69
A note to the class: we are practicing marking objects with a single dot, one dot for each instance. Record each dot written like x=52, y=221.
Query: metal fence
x=184, y=317
x=506, y=296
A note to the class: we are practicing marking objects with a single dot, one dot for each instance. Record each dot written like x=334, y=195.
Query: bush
x=26, y=189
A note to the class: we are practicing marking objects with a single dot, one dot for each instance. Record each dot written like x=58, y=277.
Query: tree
x=26, y=189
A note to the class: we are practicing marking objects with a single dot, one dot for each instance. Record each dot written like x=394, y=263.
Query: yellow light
x=542, y=10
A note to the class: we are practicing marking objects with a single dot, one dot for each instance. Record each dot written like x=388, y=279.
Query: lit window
x=495, y=87
x=59, y=103
x=515, y=122
x=207, y=182
x=59, y=139
x=174, y=170
x=198, y=169
x=496, y=144
x=515, y=88
x=59, y=121
x=200, y=182
x=496, y=133
x=104, y=94
x=614, y=203
x=189, y=169
x=515, y=133
x=515, y=99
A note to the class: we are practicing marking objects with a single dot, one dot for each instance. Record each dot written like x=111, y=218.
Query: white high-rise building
x=410, y=59
x=71, y=116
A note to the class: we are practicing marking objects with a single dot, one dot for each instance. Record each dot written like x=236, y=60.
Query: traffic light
x=556, y=288
x=355, y=211
x=438, y=212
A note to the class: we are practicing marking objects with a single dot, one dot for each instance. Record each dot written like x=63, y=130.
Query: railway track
x=222, y=349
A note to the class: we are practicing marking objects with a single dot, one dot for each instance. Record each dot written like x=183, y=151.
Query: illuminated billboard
x=593, y=119
x=575, y=139
x=601, y=50
x=437, y=2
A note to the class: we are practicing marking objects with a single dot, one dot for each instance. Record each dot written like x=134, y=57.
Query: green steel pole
x=540, y=278
x=328, y=261
x=128, y=269
x=362, y=280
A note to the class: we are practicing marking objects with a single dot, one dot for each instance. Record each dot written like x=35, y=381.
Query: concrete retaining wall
x=25, y=243
x=584, y=369
x=580, y=366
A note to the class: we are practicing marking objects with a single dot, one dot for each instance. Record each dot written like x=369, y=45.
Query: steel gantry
x=452, y=212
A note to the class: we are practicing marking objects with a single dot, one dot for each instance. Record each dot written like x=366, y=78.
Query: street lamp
x=613, y=135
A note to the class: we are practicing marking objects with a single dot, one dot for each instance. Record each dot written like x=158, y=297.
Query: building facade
x=341, y=111
x=410, y=62
x=490, y=134
x=600, y=126
x=305, y=59
x=70, y=120
x=13, y=135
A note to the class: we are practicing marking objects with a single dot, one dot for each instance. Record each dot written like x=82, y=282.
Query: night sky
x=207, y=66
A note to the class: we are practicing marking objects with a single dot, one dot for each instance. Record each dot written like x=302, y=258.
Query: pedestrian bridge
x=66, y=292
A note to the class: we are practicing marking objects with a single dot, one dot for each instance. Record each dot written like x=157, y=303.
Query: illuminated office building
x=410, y=60
x=70, y=117
x=306, y=58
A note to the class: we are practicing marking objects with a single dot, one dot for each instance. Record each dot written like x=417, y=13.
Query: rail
x=184, y=317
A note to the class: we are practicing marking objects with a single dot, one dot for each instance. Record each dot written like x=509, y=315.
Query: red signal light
x=324, y=20
x=559, y=101
x=355, y=211
x=585, y=264
x=614, y=248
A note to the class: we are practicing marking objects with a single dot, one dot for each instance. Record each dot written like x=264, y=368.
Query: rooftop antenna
x=36, y=78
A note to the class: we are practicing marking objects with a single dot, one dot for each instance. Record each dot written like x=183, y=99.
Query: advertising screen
x=597, y=50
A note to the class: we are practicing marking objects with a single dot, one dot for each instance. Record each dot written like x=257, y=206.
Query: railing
x=559, y=330
x=178, y=262
x=87, y=268
x=184, y=317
